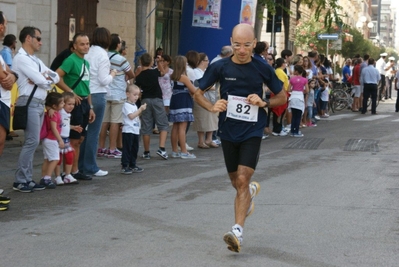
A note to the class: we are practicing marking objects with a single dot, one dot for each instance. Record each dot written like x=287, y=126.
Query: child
x=310, y=104
x=181, y=108
x=324, y=95
x=131, y=130
x=52, y=141
x=299, y=86
x=67, y=152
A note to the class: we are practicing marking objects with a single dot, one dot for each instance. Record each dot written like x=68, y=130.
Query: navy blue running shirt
x=241, y=80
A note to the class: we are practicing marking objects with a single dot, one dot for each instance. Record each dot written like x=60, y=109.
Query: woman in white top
x=205, y=122
x=101, y=76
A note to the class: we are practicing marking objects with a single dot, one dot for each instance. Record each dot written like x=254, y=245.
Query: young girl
x=52, y=141
x=181, y=108
x=324, y=95
x=310, y=104
x=165, y=82
x=299, y=86
x=67, y=153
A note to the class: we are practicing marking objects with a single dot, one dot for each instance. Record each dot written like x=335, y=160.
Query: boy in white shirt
x=131, y=130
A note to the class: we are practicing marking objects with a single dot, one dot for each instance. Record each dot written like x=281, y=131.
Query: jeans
x=296, y=120
x=310, y=112
x=88, y=148
x=24, y=170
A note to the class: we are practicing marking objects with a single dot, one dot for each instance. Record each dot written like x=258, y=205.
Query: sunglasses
x=37, y=38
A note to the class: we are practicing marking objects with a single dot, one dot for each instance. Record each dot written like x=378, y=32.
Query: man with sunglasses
x=32, y=74
x=242, y=118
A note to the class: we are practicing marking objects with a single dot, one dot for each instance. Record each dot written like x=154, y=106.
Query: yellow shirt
x=283, y=77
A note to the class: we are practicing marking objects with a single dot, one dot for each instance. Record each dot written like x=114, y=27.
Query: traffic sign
x=336, y=45
x=327, y=36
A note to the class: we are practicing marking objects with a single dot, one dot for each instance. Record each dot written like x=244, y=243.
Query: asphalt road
x=329, y=199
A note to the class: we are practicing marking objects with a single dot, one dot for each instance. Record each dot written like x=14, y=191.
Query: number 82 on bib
x=239, y=109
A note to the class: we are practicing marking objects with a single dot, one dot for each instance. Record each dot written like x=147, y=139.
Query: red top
x=356, y=75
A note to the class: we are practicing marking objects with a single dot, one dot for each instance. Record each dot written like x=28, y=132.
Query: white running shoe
x=101, y=173
x=68, y=179
x=254, y=189
x=233, y=239
x=59, y=181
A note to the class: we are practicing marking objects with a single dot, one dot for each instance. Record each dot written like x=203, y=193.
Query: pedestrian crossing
x=359, y=117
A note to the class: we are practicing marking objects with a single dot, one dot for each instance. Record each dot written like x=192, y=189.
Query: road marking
x=372, y=117
x=396, y=120
x=338, y=117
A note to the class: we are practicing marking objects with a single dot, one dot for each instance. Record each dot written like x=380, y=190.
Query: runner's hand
x=219, y=106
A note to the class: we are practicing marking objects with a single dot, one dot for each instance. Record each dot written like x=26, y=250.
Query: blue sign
x=327, y=36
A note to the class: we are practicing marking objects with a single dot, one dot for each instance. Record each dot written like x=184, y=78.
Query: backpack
x=44, y=131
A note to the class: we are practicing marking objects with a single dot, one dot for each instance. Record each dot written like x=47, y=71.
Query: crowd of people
x=243, y=95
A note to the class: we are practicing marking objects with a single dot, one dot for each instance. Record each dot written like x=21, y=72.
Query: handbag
x=21, y=114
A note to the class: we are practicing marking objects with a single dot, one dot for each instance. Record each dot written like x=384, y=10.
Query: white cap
x=383, y=54
x=391, y=58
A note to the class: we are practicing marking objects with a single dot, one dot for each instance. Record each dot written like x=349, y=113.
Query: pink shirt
x=298, y=83
x=57, y=118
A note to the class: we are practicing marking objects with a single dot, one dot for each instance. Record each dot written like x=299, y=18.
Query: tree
x=141, y=28
x=328, y=9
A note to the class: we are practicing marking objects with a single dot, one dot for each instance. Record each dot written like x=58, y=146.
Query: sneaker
x=22, y=187
x=217, y=141
x=324, y=116
x=1, y=191
x=137, y=169
x=283, y=133
x=68, y=179
x=233, y=239
x=297, y=135
x=187, y=156
x=114, y=154
x=254, y=189
x=3, y=207
x=36, y=187
x=317, y=117
x=126, y=170
x=175, y=154
x=264, y=136
x=162, y=154
x=48, y=183
x=4, y=200
x=146, y=156
x=188, y=148
x=275, y=134
x=101, y=173
x=81, y=176
x=101, y=152
x=59, y=181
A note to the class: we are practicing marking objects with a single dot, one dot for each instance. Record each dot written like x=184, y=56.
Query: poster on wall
x=248, y=12
x=206, y=13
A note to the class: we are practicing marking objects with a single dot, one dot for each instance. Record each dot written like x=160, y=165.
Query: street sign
x=336, y=45
x=327, y=36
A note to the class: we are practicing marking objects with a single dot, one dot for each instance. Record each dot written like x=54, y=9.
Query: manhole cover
x=305, y=143
x=369, y=145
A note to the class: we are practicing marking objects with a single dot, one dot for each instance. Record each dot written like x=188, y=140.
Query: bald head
x=243, y=42
x=243, y=30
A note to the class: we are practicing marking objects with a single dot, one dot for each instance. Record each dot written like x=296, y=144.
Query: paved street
x=328, y=199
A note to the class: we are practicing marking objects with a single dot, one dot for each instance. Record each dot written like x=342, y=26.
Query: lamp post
x=361, y=25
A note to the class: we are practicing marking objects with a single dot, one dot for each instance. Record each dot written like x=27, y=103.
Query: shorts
x=51, y=149
x=356, y=90
x=113, y=111
x=155, y=112
x=245, y=153
x=5, y=116
x=80, y=116
x=323, y=105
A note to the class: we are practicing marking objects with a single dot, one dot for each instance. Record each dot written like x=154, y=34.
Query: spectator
x=165, y=82
x=147, y=80
x=33, y=76
x=101, y=76
x=9, y=45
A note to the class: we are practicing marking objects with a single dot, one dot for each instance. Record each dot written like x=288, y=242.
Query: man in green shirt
x=74, y=77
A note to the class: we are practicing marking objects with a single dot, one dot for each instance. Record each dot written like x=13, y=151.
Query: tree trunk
x=259, y=20
x=286, y=22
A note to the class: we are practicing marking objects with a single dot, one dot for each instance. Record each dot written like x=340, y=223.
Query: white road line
x=338, y=117
x=368, y=117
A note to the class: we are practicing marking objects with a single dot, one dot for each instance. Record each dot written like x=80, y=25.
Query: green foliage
x=358, y=45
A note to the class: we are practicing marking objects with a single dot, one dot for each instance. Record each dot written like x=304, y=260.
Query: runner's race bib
x=238, y=108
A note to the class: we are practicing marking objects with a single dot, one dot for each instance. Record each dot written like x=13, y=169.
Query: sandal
x=212, y=145
x=203, y=145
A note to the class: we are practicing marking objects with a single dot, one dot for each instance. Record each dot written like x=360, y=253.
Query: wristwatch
x=267, y=100
x=91, y=106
